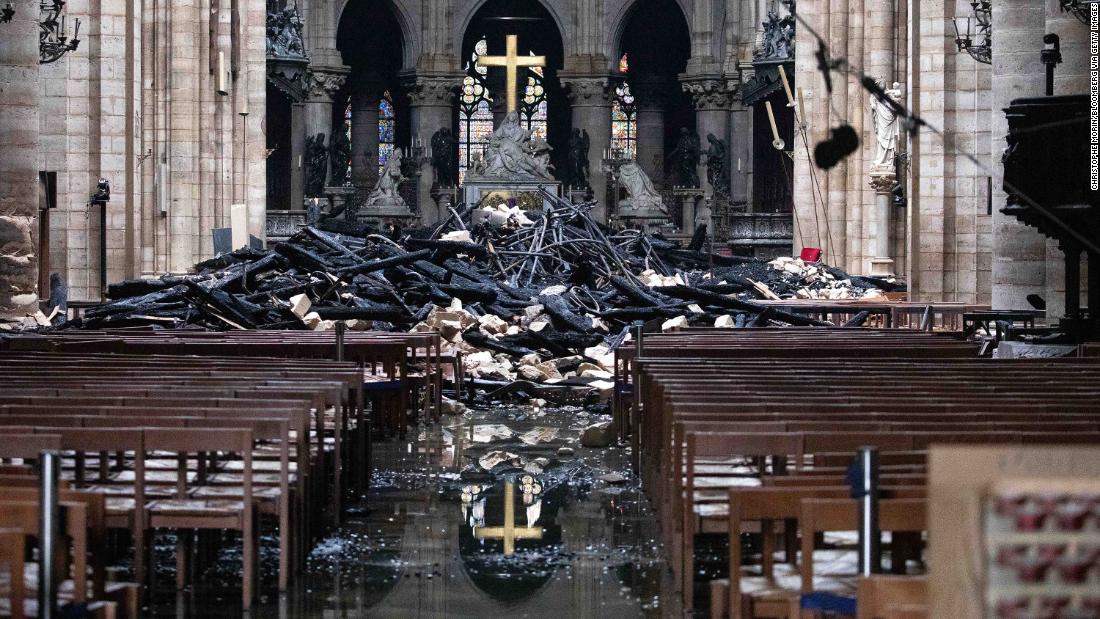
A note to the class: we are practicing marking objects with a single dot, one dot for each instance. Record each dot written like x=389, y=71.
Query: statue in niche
x=716, y=164
x=884, y=119
x=641, y=195
x=686, y=156
x=284, y=32
x=443, y=146
x=778, y=38
x=386, y=191
x=511, y=156
x=579, y=144
x=341, y=159
x=316, y=157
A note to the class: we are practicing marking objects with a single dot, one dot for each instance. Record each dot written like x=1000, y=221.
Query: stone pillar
x=740, y=154
x=297, y=154
x=650, y=98
x=322, y=84
x=1019, y=251
x=365, y=96
x=19, y=102
x=432, y=101
x=590, y=97
x=881, y=264
x=711, y=98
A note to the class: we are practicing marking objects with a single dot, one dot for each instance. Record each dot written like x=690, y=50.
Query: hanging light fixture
x=975, y=36
x=1079, y=8
x=53, y=43
x=7, y=12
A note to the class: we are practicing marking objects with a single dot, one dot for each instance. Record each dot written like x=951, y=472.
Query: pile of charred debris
x=528, y=296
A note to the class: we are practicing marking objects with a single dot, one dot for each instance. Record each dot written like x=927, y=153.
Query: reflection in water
x=438, y=536
x=508, y=533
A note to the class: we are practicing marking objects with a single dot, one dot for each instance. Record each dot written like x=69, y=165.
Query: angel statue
x=640, y=192
x=885, y=120
x=386, y=191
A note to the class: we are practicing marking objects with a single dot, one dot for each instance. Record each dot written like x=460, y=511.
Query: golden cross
x=509, y=532
x=511, y=61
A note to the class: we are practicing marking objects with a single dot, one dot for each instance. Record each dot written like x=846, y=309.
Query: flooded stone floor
x=436, y=537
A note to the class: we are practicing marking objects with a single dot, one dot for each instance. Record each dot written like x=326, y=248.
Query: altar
x=528, y=194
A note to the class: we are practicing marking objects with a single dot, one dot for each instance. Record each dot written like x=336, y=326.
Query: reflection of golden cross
x=509, y=532
x=511, y=61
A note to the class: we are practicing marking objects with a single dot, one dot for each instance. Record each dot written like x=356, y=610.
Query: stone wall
x=941, y=241
x=136, y=104
x=19, y=96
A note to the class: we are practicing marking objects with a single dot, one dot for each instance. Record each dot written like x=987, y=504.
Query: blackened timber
x=370, y=312
x=300, y=255
x=483, y=293
x=221, y=303
x=858, y=319
x=633, y=292
x=686, y=292
x=385, y=263
x=560, y=311
x=451, y=247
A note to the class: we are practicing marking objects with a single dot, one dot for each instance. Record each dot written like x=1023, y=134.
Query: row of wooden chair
x=196, y=443
x=735, y=431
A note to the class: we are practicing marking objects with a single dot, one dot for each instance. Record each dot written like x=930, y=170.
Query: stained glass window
x=624, y=118
x=475, y=114
x=533, y=108
x=386, y=128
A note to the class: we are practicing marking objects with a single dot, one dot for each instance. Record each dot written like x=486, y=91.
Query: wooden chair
x=185, y=513
x=892, y=597
x=823, y=515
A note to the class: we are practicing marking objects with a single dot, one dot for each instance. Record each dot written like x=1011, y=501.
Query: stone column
x=740, y=154
x=365, y=96
x=590, y=97
x=881, y=264
x=1019, y=251
x=650, y=98
x=322, y=84
x=19, y=101
x=711, y=98
x=432, y=101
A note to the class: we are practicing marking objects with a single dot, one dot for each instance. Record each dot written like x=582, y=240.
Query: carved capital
x=595, y=91
x=432, y=90
x=882, y=179
x=709, y=93
x=325, y=82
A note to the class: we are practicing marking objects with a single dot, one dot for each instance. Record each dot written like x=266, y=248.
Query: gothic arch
x=622, y=18
x=408, y=23
x=465, y=15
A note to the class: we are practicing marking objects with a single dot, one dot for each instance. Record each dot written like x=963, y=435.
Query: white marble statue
x=512, y=155
x=386, y=191
x=885, y=121
x=640, y=192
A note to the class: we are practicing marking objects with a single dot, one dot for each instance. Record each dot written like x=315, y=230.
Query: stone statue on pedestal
x=885, y=122
x=716, y=165
x=640, y=192
x=386, y=191
x=341, y=158
x=579, y=144
x=443, y=145
x=316, y=168
x=512, y=155
x=686, y=157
